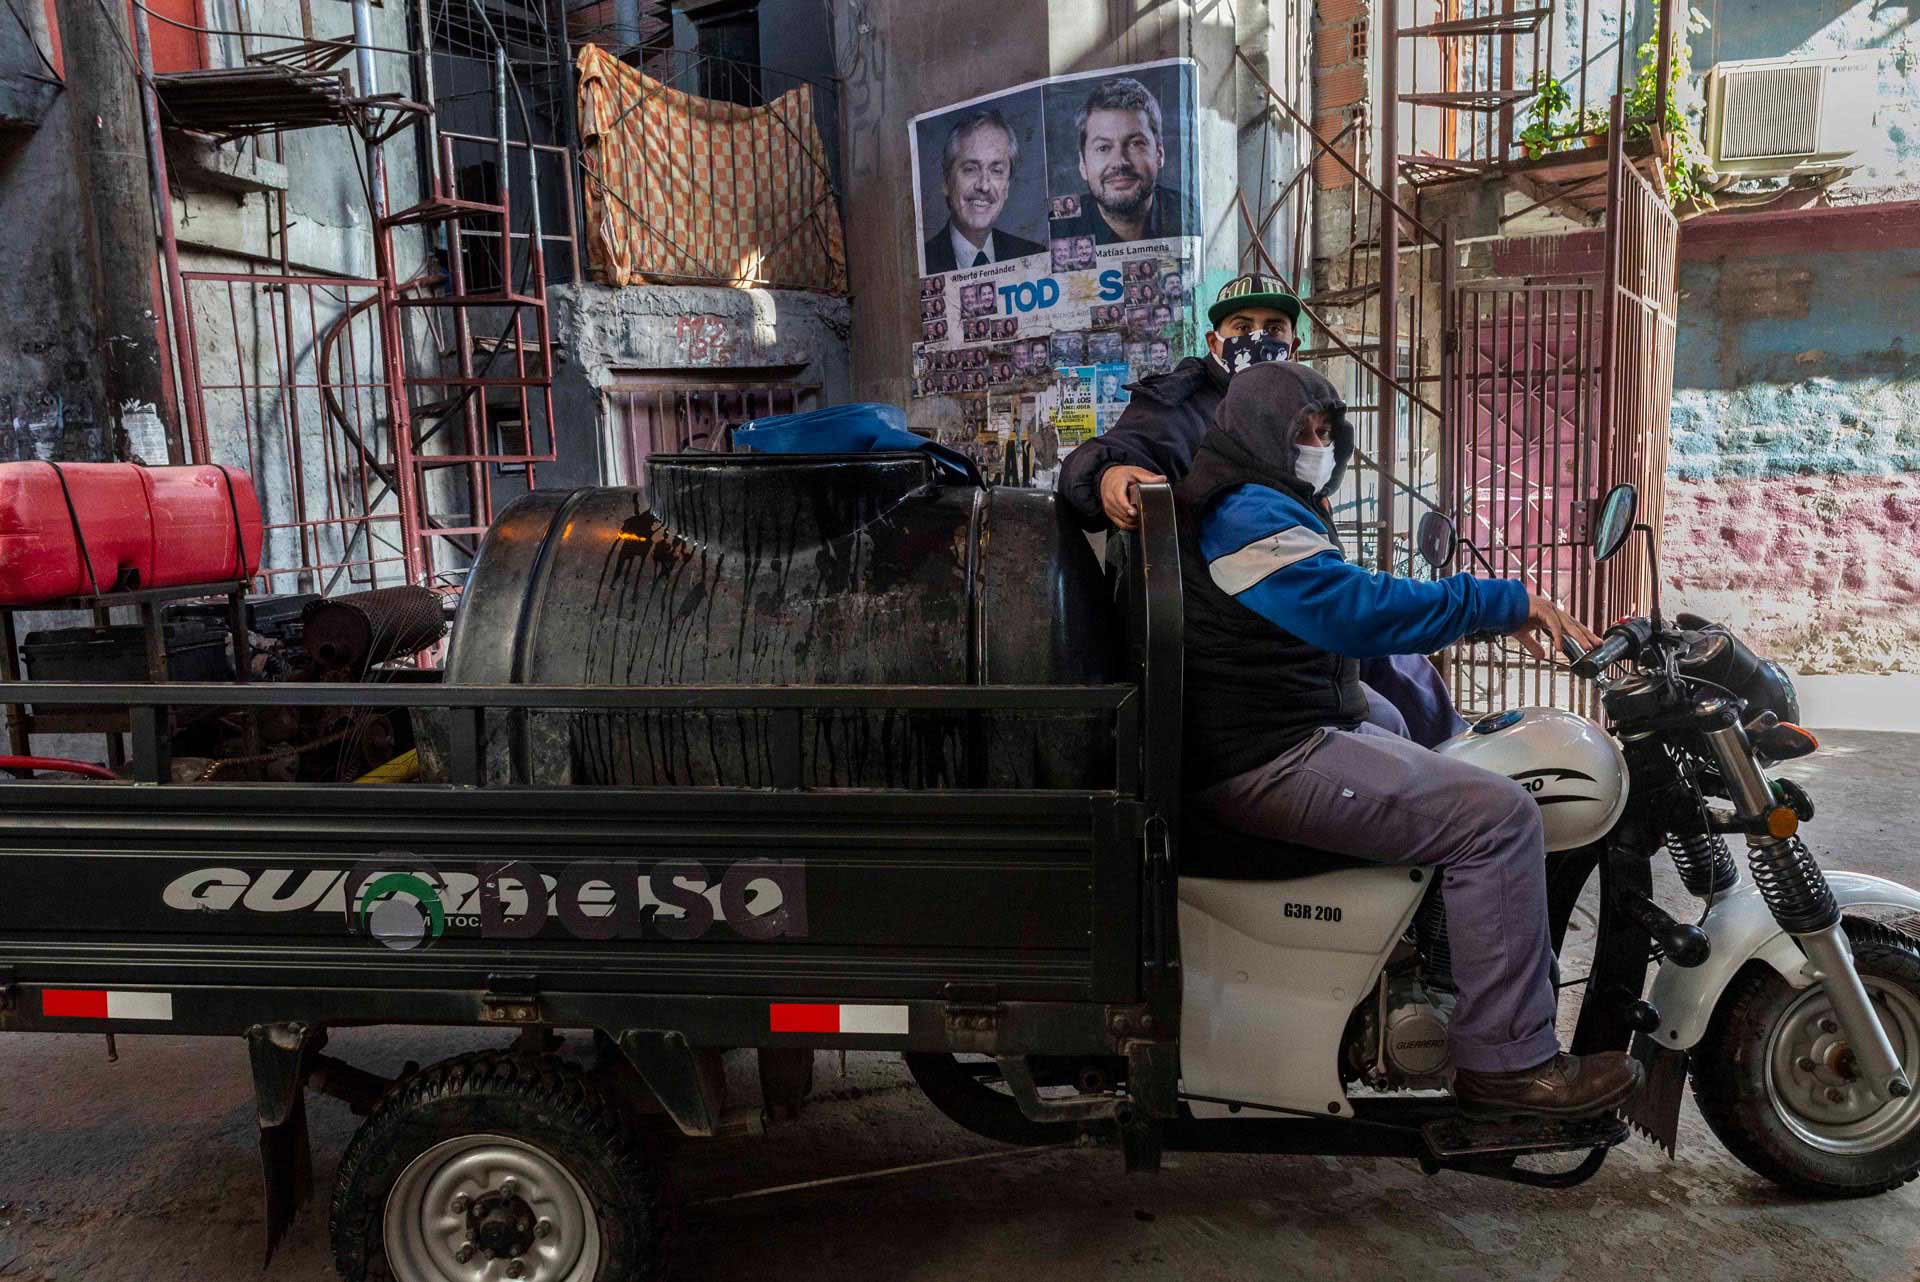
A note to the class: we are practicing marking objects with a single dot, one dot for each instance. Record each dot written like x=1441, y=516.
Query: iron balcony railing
x=1489, y=84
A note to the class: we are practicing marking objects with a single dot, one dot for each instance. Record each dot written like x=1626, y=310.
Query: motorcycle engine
x=1415, y=1056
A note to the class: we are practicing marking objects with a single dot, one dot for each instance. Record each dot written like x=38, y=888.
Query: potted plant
x=1593, y=125
x=1545, y=132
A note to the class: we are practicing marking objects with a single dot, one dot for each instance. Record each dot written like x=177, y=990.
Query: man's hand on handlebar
x=1543, y=616
x=1116, y=493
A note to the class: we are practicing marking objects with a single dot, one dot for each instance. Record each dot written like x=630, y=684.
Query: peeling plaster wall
x=1793, y=503
x=601, y=333
x=51, y=398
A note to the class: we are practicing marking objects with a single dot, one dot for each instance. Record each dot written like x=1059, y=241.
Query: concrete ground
x=145, y=1171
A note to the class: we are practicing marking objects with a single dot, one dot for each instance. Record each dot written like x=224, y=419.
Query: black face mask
x=1244, y=351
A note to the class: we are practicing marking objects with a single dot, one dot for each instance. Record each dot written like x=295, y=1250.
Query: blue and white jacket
x=1271, y=553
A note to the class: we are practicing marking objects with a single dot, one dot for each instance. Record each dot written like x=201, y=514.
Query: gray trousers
x=1372, y=795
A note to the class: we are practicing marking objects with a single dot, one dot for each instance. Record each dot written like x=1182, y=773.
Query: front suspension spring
x=1791, y=882
x=1705, y=864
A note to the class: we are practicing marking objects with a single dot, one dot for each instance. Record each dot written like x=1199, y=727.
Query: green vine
x=1687, y=171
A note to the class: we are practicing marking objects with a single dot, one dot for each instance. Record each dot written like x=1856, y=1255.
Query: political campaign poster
x=1110, y=395
x=1058, y=228
x=1078, y=417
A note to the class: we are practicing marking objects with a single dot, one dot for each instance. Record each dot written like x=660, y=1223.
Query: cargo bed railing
x=148, y=705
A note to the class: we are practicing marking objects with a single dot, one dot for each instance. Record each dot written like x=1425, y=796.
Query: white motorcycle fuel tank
x=1572, y=767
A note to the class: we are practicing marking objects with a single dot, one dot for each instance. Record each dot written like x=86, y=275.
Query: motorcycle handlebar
x=1617, y=645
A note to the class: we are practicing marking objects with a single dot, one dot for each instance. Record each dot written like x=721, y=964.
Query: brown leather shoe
x=1564, y=1086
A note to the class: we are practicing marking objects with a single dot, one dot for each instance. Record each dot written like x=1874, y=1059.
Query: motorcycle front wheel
x=1774, y=1077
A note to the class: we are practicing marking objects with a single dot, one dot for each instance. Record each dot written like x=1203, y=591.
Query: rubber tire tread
x=980, y=1109
x=1729, y=1075
x=542, y=1100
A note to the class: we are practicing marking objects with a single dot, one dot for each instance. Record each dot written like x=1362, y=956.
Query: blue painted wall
x=1791, y=365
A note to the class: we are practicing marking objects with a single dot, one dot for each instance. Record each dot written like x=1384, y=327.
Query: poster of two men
x=1058, y=166
x=1058, y=220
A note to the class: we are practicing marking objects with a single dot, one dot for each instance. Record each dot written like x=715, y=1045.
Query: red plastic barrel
x=206, y=525
x=76, y=529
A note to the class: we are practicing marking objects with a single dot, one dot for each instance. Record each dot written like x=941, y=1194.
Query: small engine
x=1415, y=1056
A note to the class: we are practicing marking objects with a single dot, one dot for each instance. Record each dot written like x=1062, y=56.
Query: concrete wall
x=52, y=403
x=1793, y=506
x=683, y=331
x=66, y=351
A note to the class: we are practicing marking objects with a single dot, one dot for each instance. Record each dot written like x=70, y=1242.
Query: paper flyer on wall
x=1058, y=226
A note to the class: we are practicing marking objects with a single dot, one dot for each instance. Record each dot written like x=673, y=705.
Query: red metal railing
x=291, y=381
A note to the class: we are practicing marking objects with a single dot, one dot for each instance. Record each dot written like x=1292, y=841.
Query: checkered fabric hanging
x=684, y=188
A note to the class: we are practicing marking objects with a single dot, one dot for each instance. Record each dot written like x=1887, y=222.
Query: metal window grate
x=667, y=415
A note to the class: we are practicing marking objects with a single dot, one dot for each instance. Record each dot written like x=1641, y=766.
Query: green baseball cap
x=1253, y=290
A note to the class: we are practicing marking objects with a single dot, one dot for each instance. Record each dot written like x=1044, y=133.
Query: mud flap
x=286, y=1163
x=278, y=1054
x=1655, y=1111
x=691, y=1092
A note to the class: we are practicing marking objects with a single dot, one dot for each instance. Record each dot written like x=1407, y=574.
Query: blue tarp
x=868, y=427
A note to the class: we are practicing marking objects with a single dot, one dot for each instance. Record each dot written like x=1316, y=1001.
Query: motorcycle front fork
x=1801, y=901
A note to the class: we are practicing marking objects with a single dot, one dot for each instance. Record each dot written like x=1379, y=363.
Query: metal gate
x=1556, y=390
x=1521, y=462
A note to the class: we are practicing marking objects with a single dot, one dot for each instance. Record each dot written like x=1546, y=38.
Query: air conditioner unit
x=1781, y=116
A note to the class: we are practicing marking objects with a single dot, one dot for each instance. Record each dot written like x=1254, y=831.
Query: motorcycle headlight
x=1716, y=655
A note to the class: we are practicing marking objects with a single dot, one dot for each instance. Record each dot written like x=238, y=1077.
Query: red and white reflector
x=830, y=1017
x=96, y=1003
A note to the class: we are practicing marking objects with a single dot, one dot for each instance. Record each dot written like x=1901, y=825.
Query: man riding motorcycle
x=1280, y=745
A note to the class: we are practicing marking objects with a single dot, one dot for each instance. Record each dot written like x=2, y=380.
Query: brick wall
x=1342, y=40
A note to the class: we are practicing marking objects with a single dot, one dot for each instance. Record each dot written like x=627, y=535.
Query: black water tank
x=788, y=570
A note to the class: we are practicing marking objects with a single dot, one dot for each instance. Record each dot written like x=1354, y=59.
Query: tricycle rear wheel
x=498, y=1157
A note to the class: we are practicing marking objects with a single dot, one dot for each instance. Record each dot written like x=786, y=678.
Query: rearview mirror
x=1437, y=540
x=1615, y=522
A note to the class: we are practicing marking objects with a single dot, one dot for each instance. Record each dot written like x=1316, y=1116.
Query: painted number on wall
x=705, y=340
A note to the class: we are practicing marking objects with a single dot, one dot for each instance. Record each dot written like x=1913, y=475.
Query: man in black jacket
x=1254, y=318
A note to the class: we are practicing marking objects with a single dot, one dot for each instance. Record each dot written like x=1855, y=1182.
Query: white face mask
x=1315, y=466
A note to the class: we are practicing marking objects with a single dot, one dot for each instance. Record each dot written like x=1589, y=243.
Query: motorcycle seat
x=1209, y=848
